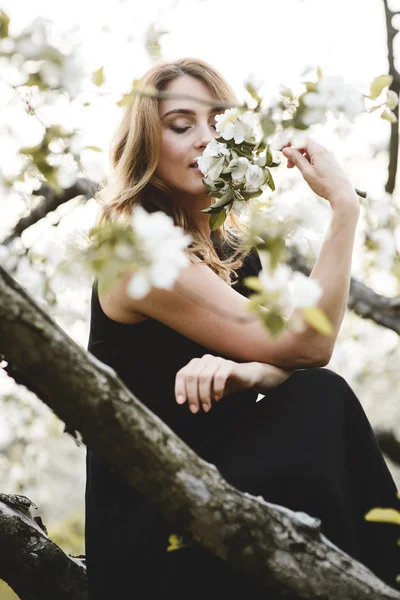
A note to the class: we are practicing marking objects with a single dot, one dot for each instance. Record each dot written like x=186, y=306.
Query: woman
x=306, y=445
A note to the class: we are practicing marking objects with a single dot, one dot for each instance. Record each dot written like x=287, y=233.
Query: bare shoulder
x=113, y=304
x=119, y=306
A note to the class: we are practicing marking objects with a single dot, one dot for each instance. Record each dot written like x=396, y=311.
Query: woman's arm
x=332, y=270
x=208, y=378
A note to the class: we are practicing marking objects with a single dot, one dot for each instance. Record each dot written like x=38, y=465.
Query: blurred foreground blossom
x=161, y=243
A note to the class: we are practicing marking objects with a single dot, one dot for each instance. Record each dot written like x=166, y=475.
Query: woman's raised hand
x=323, y=173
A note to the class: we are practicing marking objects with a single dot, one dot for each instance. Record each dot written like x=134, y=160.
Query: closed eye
x=183, y=129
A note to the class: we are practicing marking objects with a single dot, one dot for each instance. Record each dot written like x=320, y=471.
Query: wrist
x=269, y=376
x=345, y=204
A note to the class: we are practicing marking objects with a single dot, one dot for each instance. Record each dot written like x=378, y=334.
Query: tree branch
x=394, y=129
x=51, y=201
x=276, y=547
x=32, y=565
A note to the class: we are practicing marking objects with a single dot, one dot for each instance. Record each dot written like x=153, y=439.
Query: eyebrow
x=188, y=111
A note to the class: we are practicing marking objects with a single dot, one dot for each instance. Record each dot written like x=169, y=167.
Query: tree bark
x=32, y=565
x=276, y=547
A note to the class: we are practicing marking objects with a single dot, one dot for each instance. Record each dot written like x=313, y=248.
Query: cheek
x=173, y=150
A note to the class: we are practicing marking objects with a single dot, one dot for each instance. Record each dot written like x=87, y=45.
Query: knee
x=321, y=379
x=323, y=374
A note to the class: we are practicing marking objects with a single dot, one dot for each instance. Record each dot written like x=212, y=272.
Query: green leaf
x=249, y=195
x=253, y=93
x=270, y=181
x=98, y=77
x=392, y=99
x=268, y=126
x=378, y=84
x=4, y=24
x=383, y=515
x=316, y=317
x=126, y=99
x=94, y=148
x=216, y=167
x=218, y=204
x=269, y=157
x=261, y=146
x=253, y=283
x=217, y=219
x=311, y=86
x=388, y=115
x=275, y=323
x=176, y=542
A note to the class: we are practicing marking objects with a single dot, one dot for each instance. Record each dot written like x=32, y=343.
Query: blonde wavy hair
x=134, y=155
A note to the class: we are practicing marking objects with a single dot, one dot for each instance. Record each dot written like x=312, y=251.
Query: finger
x=296, y=158
x=220, y=379
x=180, y=388
x=180, y=380
x=186, y=381
x=192, y=395
x=304, y=152
x=205, y=387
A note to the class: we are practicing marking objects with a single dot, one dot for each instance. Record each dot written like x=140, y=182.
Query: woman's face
x=184, y=136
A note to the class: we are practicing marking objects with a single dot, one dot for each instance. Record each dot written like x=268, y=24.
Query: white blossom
x=215, y=148
x=239, y=207
x=334, y=95
x=276, y=282
x=236, y=125
x=162, y=245
x=68, y=76
x=261, y=159
x=212, y=161
x=254, y=178
x=239, y=167
x=305, y=291
x=255, y=83
x=387, y=247
x=296, y=136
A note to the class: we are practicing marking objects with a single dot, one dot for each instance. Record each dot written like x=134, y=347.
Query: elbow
x=303, y=360
x=294, y=362
x=320, y=360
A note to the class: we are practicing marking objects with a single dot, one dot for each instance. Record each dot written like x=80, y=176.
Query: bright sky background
x=273, y=40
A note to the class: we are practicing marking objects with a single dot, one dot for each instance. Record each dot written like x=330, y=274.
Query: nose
x=206, y=135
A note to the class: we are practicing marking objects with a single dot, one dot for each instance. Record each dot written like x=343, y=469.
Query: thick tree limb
x=281, y=549
x=32, y=565
x=394, y=129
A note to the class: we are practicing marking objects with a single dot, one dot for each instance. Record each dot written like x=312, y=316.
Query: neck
x=196, y=204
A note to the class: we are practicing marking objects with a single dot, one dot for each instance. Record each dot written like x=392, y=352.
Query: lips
x=193, y=164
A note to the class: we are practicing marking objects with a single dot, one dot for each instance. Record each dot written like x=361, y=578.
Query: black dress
x=307, y=445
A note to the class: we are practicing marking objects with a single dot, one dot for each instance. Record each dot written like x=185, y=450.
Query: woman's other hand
x=323, y=173
x=210, y=378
